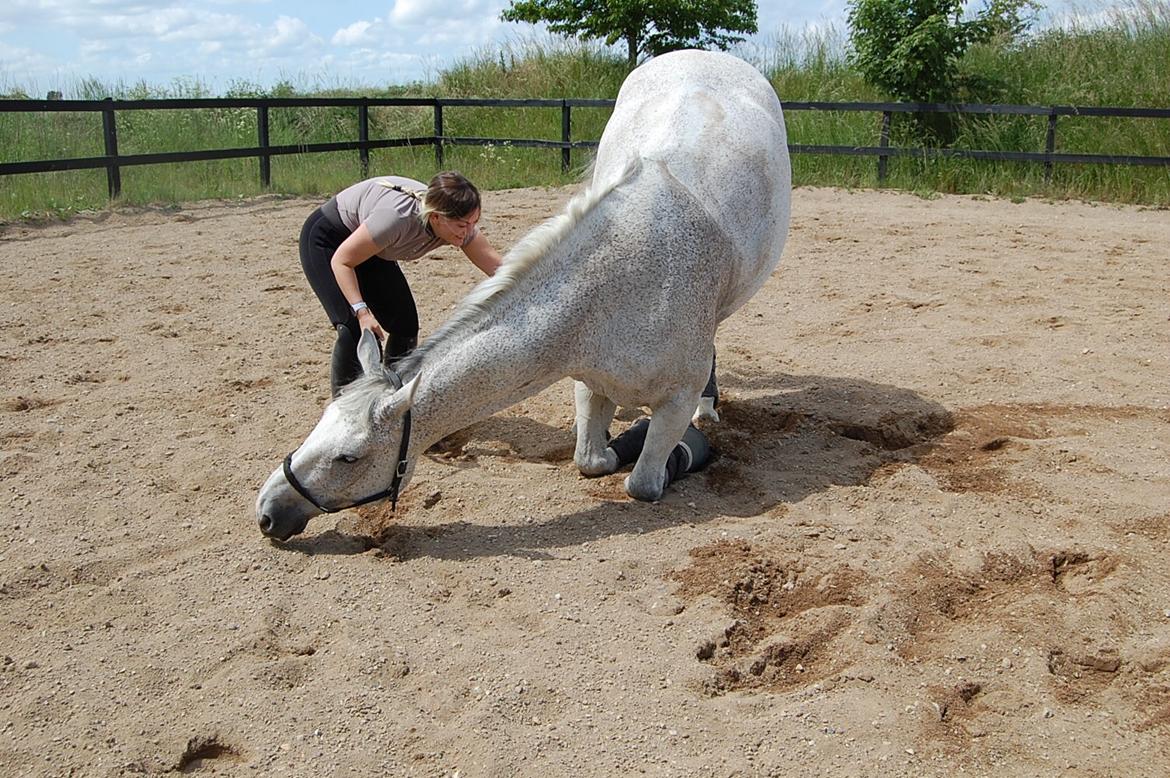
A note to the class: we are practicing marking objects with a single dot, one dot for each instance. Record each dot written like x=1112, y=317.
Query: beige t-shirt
x=391, y=217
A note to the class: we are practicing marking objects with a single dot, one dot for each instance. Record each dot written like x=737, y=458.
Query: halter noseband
x=391, y=491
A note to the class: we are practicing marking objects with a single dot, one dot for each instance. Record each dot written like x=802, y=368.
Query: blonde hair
x=448, y=194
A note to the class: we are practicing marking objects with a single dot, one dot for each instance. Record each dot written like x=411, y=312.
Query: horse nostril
x=266, y=524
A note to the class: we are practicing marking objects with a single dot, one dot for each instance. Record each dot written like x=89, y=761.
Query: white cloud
x=227, y=41
x=290, y=33
x=15, y=60
x=454, y=13
x=415, y=11
x=355, y=34
x=16, y=12
x=460, y=36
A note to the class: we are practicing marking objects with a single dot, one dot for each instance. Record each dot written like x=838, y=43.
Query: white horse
x=684, y=219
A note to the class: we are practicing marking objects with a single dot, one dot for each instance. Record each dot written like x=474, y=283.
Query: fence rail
x=113, y=162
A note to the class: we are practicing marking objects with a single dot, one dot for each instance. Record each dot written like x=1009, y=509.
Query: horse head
x=356, y=454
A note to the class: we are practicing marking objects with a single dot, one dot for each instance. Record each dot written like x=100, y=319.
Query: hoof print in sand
x=207, y=753
x=786, y=622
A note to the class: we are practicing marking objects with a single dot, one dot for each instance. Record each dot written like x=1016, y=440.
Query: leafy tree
x=647, y=26
x=912, y=48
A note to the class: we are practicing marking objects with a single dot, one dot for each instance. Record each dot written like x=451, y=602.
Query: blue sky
x=54, y=44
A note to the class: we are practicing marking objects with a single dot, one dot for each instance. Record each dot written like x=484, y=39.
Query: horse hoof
x=594, y=467
x=642, y=492
x=706, y=410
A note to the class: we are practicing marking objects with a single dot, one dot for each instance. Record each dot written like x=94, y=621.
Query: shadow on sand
x=780, y=440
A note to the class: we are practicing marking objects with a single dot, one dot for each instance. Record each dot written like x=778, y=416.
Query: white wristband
x=358, y=307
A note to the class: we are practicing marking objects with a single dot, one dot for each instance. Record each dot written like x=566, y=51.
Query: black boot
x=689, y=455
x=628, y=445
x=398, y=346
x=345, y=366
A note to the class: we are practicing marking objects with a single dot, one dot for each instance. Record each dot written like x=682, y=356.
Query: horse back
x=716, y=125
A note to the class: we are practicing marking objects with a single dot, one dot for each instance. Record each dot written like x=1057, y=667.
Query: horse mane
x=359, y=398
x=518, y=262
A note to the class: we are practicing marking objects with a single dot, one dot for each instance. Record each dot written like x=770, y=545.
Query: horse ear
x=405, y=395
x=398, y=403
x=369, y=354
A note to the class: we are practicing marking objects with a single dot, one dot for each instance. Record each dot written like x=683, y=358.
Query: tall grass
x=1118, y=59
x=1121, y=58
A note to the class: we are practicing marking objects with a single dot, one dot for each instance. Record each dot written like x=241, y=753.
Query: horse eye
x=346, y=458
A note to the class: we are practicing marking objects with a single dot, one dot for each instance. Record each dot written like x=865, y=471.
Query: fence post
x=1050, y=146
x=566, y=135
x=884, y=160
x=110, y=132
x=438, y=135
x=265, y=159
x=364, y=136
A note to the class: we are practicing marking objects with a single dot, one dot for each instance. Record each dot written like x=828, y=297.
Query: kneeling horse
x=684, y=219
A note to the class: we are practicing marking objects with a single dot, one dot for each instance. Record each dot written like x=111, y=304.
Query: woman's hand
x=368, y=321
x=353, y=251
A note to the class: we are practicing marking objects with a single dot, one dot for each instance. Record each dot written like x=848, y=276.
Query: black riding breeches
x=383, y=286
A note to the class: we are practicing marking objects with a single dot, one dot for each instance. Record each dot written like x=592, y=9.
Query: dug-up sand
x=935, y=541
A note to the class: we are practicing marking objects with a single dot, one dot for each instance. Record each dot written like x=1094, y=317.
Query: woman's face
x=454, y=231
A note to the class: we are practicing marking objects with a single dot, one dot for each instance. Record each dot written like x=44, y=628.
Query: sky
x=56, y=44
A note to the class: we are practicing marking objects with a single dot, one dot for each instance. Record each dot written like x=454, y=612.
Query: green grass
x=1126, y=62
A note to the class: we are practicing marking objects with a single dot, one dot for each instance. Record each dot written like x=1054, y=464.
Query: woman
x=351, y=247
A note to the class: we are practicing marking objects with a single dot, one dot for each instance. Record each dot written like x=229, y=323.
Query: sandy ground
x=934, y=543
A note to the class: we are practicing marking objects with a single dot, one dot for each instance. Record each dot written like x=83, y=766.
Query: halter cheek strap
x=391, y=491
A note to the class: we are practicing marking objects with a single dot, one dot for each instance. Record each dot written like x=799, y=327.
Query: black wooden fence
x=112, y=161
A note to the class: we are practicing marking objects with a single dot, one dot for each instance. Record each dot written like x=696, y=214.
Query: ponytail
x=448, y=194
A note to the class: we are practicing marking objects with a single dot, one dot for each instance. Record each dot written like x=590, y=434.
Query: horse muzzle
x=280, y=512
x=280, y=529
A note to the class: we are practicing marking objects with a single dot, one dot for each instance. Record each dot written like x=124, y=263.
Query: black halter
x=391, y=492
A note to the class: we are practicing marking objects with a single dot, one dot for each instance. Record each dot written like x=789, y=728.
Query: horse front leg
x=667, y=425
x=594, y=413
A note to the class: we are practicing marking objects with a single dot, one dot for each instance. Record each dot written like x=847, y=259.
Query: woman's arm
x=482, y=255
x=353, y=251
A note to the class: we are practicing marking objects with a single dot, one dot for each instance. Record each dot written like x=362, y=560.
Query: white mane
x=525, y=255
x=359, y=398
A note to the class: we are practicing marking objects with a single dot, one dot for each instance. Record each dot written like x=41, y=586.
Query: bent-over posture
x=351, y=246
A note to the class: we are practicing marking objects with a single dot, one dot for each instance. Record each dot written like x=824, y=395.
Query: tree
x=912, y=48
x=647, y=26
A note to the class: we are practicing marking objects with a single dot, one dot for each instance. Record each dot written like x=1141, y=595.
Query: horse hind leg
x=594, y=414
